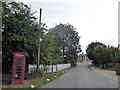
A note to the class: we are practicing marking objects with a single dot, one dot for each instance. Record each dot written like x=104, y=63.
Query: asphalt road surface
x=82, y=77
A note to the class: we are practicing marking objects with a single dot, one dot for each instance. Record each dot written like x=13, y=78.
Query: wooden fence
x=117, y=68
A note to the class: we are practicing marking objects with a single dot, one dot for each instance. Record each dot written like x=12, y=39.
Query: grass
x=38, y=82
x=109, y=68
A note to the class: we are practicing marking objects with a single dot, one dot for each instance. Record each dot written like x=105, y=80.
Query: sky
x=95, y=20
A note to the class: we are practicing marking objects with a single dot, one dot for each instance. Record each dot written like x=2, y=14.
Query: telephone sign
x=18, y=69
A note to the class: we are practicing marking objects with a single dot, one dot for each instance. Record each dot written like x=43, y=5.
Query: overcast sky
x=95, y=20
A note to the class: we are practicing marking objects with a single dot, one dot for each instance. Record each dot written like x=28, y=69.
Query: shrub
x=35, y=74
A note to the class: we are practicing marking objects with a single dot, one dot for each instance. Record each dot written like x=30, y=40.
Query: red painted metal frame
x=18, y=78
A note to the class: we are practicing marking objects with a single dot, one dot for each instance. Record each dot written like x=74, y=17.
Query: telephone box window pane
x=19, y=58
x=18, y=69
x=18, y=66
x=18, y=72
x=19, y=63
x=17, y=78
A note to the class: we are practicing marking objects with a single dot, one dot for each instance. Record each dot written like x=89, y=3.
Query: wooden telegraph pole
x=38, y=61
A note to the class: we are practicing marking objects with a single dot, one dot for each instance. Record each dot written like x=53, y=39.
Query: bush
x=27, y=76
x=45, y=69
x=73, y=64
x=34, y=74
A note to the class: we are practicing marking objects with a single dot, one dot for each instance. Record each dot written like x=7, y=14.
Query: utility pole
x=38, y=61
x=119, y=25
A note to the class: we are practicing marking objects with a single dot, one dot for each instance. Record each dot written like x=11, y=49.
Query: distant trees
x=90, y=51
x=102, y=54
x=68, y=42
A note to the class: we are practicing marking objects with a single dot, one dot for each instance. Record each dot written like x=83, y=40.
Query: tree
x=111, y=50
x=117, y=56
x=90, y=51
x=49, y=50
x=106, y=55
x=68, y=42
x=19, y=33
x=101, y=53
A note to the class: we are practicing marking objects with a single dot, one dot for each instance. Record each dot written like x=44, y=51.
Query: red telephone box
x=18, y=69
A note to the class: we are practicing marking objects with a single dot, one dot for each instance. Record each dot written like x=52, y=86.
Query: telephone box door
x=18, y=69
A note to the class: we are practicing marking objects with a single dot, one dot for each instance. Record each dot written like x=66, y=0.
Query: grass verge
x=38, y=82
x=109, y=68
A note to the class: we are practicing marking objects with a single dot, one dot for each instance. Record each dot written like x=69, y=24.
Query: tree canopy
x=90, y=51
x=68, y=42
x=102, y=54
x=19, y=32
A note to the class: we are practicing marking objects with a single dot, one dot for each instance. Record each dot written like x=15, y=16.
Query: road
x=82, y=77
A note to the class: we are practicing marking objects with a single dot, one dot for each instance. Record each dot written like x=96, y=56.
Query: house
x=83, y=57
